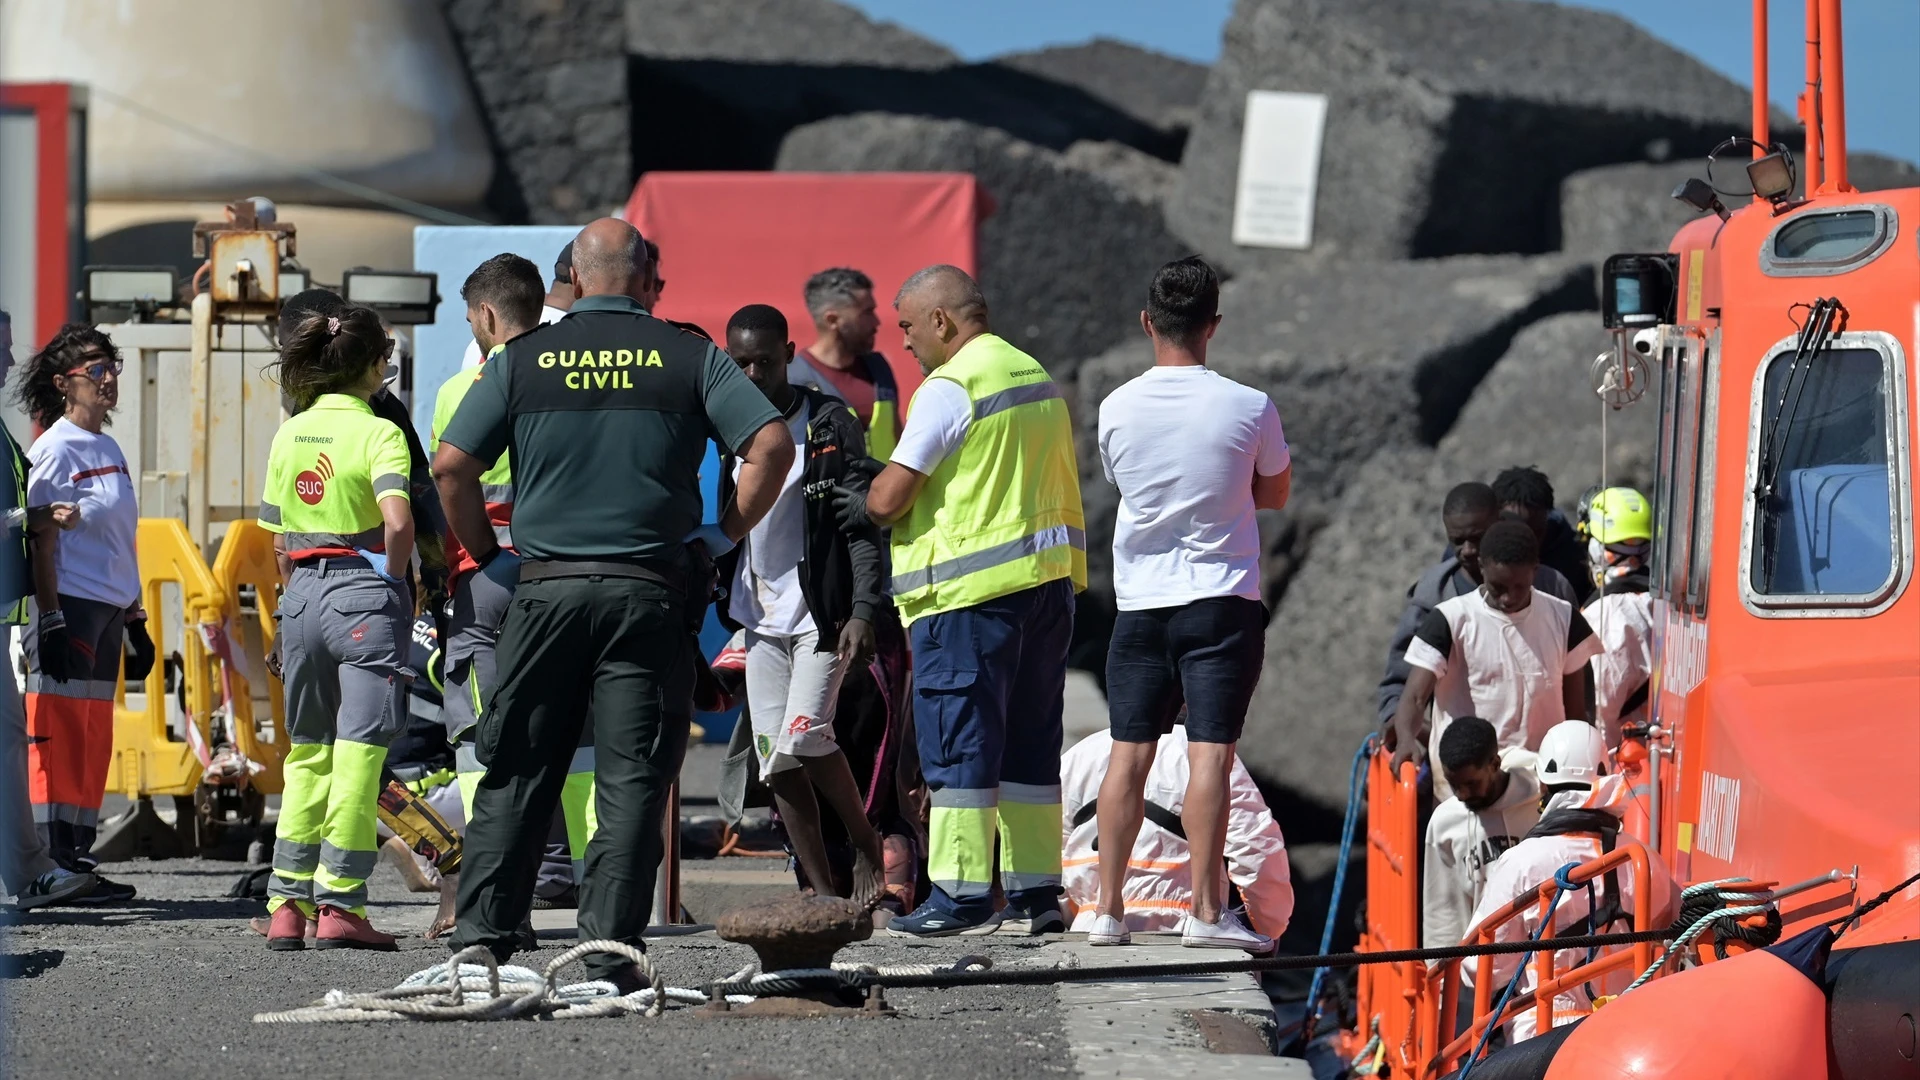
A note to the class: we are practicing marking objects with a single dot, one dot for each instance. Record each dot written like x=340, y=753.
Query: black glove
x=56, y=649
x=866, y=467
x=851, y=508
x=274, y=663
x=139, y=651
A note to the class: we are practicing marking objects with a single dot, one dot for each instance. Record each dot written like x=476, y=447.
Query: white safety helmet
x=1574, y=752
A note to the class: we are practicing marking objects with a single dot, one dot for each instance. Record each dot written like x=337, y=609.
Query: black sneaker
x=525, y=939
x=108, y=892
x=568, y=897
x=57, y=886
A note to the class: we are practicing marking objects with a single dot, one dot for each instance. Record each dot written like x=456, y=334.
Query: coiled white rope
x=472, y=985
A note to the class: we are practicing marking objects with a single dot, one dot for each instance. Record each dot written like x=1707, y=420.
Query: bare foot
x=396, y=852
x=869, y=878
x=443, y=919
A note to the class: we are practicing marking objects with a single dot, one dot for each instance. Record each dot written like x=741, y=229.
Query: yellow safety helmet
x=1620, y=515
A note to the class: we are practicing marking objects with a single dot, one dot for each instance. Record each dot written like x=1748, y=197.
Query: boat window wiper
x=1822, y=318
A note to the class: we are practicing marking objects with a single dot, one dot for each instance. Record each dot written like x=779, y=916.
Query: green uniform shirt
x=607, y=413
x=328, y=470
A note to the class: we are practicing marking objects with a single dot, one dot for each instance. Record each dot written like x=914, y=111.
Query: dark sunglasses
x=98, y=369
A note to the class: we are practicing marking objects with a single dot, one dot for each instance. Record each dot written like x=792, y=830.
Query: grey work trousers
x=23, y=852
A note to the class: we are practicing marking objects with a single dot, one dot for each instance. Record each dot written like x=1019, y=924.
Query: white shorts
x=791, y=691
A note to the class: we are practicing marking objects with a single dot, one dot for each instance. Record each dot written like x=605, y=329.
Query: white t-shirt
x=766, y=597
x=1505, y=669
x=1183, y=445
x=548, y=314
x=97, y=559
x=936, y=426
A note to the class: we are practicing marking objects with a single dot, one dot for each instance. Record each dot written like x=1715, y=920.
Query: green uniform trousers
x=613, y=651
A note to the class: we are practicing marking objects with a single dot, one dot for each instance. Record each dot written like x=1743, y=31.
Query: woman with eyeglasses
x=87, y=603
x=337, y=499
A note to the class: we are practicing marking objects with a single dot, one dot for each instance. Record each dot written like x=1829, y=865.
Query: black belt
x=324, y=563
x=550, y=569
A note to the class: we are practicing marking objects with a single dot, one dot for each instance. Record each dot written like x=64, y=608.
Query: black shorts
x=1205, y=655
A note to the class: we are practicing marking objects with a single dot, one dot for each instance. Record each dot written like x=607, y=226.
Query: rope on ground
x=441, y=992
x=509, y=992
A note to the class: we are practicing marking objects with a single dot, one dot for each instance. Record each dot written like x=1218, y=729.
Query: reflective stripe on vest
x=1002, y=513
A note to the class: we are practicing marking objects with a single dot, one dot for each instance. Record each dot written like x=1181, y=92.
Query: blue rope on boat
x=1561, y=878
x=1355, y=792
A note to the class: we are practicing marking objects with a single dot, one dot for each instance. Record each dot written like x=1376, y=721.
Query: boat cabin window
x=1828, y=242
x=1826, y=519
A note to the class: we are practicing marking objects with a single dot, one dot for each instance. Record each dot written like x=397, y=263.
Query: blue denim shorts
x=1205, y=655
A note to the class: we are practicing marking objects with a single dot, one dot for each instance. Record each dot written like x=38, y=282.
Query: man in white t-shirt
x=1506, y=652
x=1194, y=454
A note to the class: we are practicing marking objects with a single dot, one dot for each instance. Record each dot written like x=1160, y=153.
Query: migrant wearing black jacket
x=839, y=575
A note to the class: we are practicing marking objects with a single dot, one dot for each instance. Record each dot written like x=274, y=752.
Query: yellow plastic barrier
x=147, y=760
x=246, y=559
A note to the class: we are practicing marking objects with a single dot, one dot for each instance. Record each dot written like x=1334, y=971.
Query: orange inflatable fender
x=1755, y=1016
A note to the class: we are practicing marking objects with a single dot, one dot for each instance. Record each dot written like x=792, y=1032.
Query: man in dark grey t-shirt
x=607, y=413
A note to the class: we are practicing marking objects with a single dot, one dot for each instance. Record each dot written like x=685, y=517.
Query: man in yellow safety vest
x=989, y=546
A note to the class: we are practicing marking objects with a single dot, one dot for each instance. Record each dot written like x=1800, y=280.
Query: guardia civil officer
x=608, y=412
x=337, y=498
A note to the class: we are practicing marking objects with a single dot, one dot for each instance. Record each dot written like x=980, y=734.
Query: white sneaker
x=1108, y=930
x=1227, y=933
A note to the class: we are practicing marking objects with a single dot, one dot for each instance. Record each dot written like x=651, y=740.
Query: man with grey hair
x=989, y=546
x=841, y=361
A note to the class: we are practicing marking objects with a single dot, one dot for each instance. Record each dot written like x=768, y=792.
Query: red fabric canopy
x=732, y=239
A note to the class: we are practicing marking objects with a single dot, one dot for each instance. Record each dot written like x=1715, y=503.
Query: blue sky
x=1882, y=42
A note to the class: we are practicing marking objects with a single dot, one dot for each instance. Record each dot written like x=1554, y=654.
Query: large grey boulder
x=1065, y=258
x=719, y=85
x=818, y=32
x=1537, y=407
x=1326, y=645
x=1162, y=90
x=552, y=80
x=1450, y=123
x=1622, y=208
x=1139, y=173
x=1364, y=356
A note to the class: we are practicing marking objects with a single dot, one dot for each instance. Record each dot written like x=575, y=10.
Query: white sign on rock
x=1279, y=169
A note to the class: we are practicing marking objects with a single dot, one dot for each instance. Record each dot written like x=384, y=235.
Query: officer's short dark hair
x=511, y=284
x=563, y=266
x=834, y=288
x=1183, y=299
x=1524, y=485
x=1468, y=740
x=759, y=319
x=1472, y=497
x=1510, y=542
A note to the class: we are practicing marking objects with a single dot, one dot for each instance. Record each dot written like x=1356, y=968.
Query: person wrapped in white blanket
x=1584, y=800
x=1159, y=888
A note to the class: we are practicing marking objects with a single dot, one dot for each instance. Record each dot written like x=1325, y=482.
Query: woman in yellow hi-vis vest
x=336, y=493
x=989, y=546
